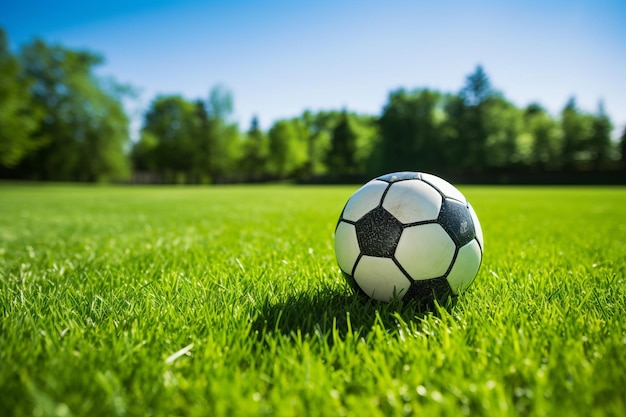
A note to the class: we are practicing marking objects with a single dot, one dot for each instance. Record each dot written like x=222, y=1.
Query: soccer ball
x=408, y=235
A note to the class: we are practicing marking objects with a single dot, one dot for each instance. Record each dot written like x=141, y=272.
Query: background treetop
x=62, y=121
x=281, y=58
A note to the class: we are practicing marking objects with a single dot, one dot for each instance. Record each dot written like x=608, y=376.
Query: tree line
x=60, y=121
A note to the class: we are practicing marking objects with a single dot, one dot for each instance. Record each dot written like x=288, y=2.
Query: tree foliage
x=189, y=141
x=477, y=89
x=287, y=148
x=541, y=140
x=341, y=157
x=622, y=144
x=18, y=121
x=411, y=131
x=600, y=139
x=255, y=153
x=83, y=130
x=59, y=121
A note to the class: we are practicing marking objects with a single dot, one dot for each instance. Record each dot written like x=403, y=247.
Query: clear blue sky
x=281, y=57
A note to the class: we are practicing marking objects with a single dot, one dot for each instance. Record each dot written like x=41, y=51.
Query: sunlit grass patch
x=227, y=300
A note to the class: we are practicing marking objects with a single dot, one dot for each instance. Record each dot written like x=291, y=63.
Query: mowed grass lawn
x=214, y=301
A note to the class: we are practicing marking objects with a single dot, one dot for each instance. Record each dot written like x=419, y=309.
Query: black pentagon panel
x=427, y=290
x=378, y=233
x=455, y=217
x=400, y=176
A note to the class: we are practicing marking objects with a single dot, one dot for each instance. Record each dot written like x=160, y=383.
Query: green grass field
x=212, y=301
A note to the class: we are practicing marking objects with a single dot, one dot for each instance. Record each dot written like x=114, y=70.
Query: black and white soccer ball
x=409, y=235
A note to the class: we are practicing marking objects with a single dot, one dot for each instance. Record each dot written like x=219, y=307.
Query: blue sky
x=282, y=57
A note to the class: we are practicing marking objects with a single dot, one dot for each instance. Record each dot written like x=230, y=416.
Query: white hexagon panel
x=364, y=200
x=412, y=201
x=346, y=246
x=425, y=251
x=445, y=187
x=465, y=267
x=380, y=278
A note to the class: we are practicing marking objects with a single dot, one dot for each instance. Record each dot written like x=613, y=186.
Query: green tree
x=202, y=143
x=255, y=153
x=287, y=148
x=172, y=121
x=502, y=123
x=477, y=89
x=223, y=135
x=190, y=141
x=18, y=120
x=468, y=125
x=144, y=153
x=318, y=128
x=543, y=138
x=600, y=138
x=367, y=131
x=623, y=148
x=341, y=157
x=85, y=128
x=411, y=132
x=576, y=128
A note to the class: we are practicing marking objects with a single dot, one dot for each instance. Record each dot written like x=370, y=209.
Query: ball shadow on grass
x=339, y=312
